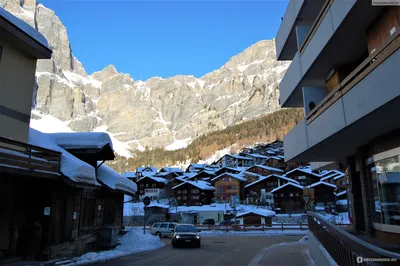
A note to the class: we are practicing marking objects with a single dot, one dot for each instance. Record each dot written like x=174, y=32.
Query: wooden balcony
x=21, y=156
x=384, y=51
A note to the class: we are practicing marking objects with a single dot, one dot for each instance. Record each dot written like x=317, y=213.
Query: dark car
x=209, y=222
x=184, y=235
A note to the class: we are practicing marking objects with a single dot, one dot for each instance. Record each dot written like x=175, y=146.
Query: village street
x=218, y=250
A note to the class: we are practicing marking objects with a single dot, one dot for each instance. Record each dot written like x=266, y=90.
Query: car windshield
x=186, y=228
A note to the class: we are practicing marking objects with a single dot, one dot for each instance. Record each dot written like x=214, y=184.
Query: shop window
x=386, y=185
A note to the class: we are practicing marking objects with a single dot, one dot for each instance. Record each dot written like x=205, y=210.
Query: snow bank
x=131, y=243
x=82, y=140
x=75, y=169
x=114, y=180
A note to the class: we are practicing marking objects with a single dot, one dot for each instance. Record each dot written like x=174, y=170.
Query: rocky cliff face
x=156, y=112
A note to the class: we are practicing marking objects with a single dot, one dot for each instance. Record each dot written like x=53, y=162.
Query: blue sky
x=165, y=38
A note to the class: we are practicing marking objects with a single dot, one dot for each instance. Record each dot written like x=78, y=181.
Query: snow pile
x=75, y=169
x=133, y=242
x=304, y=239
x=114, y=180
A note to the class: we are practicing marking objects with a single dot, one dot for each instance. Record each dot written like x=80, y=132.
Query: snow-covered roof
x=237, y=176
x=250, y=173
x=340, y=193
x=157, y=179
x=339, y=175
x=260, y=212
x=287, y=184
x=267, y=168
x=198, y=165
x=239, y=157
x=73, y=168
x=129, y=174
x=237, y=169
x=114, y=180
x=256, y=155
x=321, y=183
x=81, y=140
x=24, y=27
x=140, y=169
x=203, y=185
x=188, y=175
x=327, y=177
x=262, y=178
x=193, y=209
x=172, y=169
x=306, y=170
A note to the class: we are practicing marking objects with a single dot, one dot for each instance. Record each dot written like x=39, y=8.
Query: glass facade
x=386, y=185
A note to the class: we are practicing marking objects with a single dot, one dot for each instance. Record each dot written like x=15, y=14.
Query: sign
x=74, y=215
x=47, y=211
x=306, y=198
x=146, y=201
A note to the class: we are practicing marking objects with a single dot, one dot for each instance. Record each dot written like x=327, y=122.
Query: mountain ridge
x=158, y=112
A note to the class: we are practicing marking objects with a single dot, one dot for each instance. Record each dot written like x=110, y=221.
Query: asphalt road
x=214, y=251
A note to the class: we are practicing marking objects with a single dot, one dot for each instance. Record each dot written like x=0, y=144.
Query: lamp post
x=146, y=202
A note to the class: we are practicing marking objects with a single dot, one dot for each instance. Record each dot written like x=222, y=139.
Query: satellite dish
x=146, y=201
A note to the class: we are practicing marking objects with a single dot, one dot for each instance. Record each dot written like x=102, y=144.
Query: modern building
x=344, y=74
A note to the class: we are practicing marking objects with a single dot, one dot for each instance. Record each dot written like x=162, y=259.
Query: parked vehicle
x=163, y=229
x=209, y=222
x=185, y=234
x=226, y=222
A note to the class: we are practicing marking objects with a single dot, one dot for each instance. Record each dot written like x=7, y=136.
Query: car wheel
x=198, y=245
x=158, y=234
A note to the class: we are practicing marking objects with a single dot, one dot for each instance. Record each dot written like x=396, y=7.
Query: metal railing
x=21, y=155
x=344, y=247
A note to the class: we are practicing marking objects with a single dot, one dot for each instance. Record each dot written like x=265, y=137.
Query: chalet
x=303, y=175
x=195, y=167
x=258, y=158
x=172, y=170
x=231, y=170
x=198, y=214
x=144, y=169
x=288, y=198
x=167, y=175
x=274, y=161
x=322, y=194
x=203, y=175
x=194, y=193
x=152, y=186
x=250, y=177
x=130, y=175
x=256, y=217
x=230, y=160
x=228, y=185
x=264, y=170
x=260, y=190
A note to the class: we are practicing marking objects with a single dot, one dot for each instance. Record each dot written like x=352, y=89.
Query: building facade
x=344, y=69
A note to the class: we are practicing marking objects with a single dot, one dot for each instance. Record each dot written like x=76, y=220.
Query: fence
x=344, y=247
x=244, y=228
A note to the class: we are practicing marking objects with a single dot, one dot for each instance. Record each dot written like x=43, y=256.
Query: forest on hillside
x=266, y=128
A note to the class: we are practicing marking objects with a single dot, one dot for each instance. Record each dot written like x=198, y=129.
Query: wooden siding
x=190, y=195
x=148, y=183
x=222, y=191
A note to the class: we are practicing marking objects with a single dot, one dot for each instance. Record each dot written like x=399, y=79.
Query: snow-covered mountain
x=157, y=112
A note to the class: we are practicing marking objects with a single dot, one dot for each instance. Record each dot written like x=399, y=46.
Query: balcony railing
x=385, y=50
x=315, y=26
x=24, y=156
x=344, y=247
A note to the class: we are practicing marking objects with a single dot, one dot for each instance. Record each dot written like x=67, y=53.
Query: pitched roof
x=129, y=174
x=340, y=193
x=256, y=155
x=157, y=179
x=260, y=212
x=321, y=183
x=236, y=176
x=203, y=185
x=140, y=169
x=327, y=177
x=273, y=175
x=81, y=140
x=266, y=168
x=285, y=185
x=306, y=170
x=172, y=169
x=237, y=157
x=114, y=180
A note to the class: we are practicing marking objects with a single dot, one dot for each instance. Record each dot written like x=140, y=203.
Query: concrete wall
x=295, y=142
x=17, y=78
x=312, y=94
x=291, y=79
x=318, y=253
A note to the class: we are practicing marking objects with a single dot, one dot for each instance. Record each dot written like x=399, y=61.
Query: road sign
x=146, y=201
x=306, y=198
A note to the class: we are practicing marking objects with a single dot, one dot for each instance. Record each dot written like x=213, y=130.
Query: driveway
x=215, y=251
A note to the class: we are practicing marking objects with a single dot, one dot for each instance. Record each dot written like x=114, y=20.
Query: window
x=302, y=177
x=195, y=197
x=184, y=191
x=291, y=194
x=179, y=197
x=141, y=191
x=141, y=185
x=179, y=192
x=171, y=226
x=282, y=194
x=233, y=187
x=154, y=185
x=184, y=198
x=156, y=225
x=386, y=186
x=147, y=185
x=163, y=225
x=230, y=179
